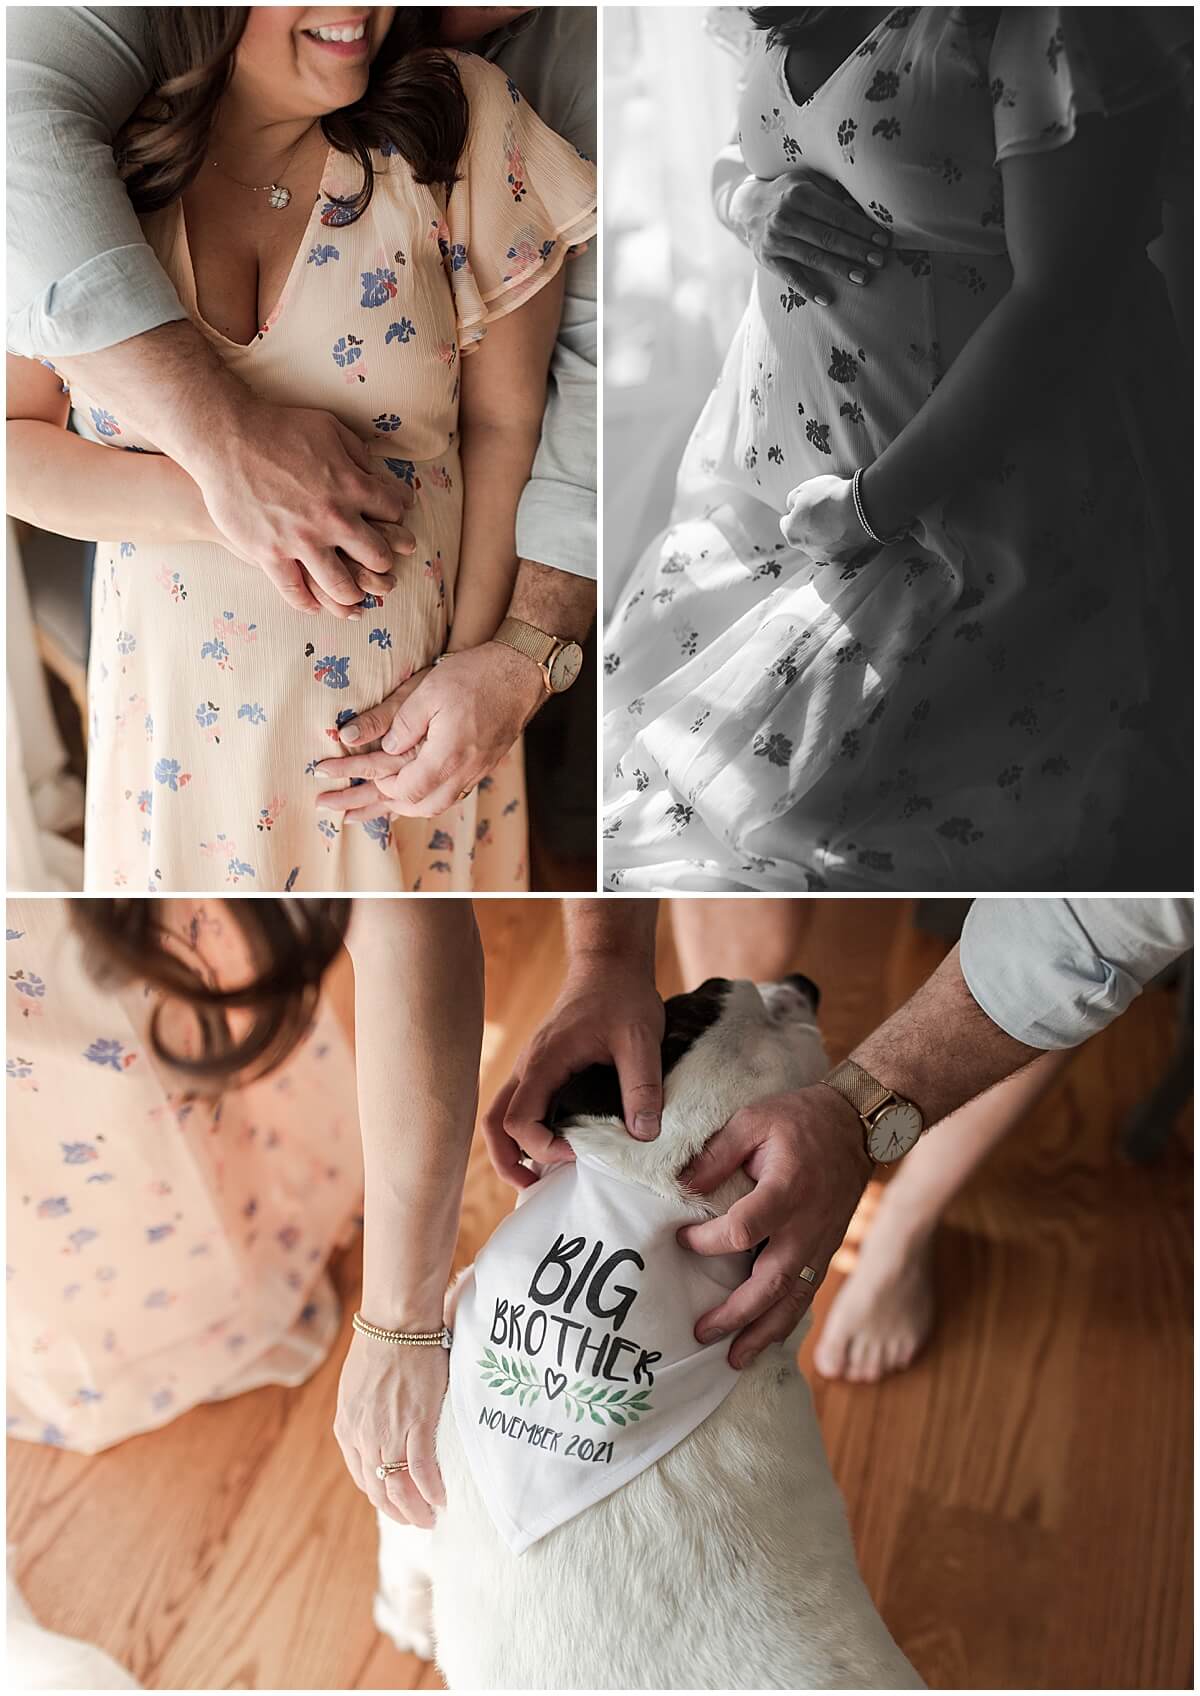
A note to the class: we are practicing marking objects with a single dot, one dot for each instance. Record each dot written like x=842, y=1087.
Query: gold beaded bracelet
x=413, y=1339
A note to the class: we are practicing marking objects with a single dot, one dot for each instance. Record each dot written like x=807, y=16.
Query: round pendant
x=278, y=196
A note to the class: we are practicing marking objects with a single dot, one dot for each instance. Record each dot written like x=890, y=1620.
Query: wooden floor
x=1020, y=1499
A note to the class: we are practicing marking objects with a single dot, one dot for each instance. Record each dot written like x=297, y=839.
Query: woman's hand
x=389, y=1403
x=443, y=731
x=806, y=228
x=821, y=521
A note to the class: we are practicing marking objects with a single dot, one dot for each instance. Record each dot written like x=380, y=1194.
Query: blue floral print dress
x=211, y=700
x=966, y=711
x=162, y=1251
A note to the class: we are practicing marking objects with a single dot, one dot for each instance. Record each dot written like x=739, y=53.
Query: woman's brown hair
x=414, y=104
x=290, y=944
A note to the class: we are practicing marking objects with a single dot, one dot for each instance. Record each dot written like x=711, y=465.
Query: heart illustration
x=556, y=1383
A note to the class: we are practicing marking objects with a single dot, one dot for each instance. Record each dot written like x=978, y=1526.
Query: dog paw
x=407, y=1620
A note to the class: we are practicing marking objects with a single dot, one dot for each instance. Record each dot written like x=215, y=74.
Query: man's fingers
x=770, y=1284
x=525, y=1119
x=775, y=1326
x=749, y=1222
x=397, y=536
x=410, y=724
x=721, y=1157
x=366, y=547
x=503, y=1150
x=372, y=723
x=638, y=1059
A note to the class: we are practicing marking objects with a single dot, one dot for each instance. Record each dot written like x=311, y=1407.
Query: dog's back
x=727, y=1563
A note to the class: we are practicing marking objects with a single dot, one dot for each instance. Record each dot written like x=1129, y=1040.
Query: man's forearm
x=141, y=381
x=941, y=1049
x=418, y=999
x=612, y=928
x=554, y=601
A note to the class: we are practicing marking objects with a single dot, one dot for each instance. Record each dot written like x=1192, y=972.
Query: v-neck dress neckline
x=191, y=297
x=836, y=72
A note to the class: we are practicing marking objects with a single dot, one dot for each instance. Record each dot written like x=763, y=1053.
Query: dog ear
x=806, y=987
x=594, y=1093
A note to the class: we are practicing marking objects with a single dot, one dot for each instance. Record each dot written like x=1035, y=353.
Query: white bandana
x=574, y=1366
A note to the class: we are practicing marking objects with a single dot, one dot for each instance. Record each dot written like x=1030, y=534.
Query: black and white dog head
x=726, y=1044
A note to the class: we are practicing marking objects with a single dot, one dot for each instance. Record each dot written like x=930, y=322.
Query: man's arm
x=86, y=291
x=553, y=62
x=1079, y=963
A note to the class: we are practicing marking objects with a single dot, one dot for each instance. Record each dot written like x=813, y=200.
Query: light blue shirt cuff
x=1051, y=973
x=556, y=526
x=106, y=300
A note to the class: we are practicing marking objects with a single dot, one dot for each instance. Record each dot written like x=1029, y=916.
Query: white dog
x=727, y=1563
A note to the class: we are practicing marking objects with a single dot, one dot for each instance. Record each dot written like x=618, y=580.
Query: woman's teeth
x=339, y=32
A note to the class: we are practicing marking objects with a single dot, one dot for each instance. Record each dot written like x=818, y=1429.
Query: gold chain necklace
x=278, y=194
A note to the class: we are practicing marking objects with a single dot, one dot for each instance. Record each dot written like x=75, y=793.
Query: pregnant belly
x=813, y=389
x=194, y=651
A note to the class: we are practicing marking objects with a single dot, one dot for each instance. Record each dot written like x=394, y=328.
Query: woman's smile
x=345, y=38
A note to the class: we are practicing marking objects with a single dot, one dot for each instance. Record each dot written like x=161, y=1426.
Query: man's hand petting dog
x=608, y=1014
x=436, y=736
x=806, y=1155
x=389, y=1403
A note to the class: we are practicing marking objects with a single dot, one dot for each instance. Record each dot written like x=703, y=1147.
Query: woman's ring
x=387, y=1467
x=809, y=1274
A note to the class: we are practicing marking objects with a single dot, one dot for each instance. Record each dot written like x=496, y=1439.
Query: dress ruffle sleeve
x=524, y=202
x=1049, y=66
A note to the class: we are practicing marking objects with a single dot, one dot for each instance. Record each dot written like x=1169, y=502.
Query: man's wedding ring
x=387, y=1467
x=809, y=1274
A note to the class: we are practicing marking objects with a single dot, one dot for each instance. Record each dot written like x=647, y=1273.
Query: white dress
x=972, y=708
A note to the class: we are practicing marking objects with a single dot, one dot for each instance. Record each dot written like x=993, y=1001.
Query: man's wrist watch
x=891, y=1125
x=558, y=657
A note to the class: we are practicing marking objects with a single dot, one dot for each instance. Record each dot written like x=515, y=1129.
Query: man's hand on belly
x=443, y=731
x=805, y=229
x=293, y=491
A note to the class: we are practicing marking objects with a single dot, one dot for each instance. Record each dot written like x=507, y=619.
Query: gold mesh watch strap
x=527, y=639
x=861, y=1090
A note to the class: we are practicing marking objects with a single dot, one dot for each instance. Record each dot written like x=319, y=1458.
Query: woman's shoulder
x=483, y=82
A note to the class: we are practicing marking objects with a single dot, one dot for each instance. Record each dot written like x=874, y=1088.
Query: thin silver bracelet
x=412, y=1339
x=861, y=513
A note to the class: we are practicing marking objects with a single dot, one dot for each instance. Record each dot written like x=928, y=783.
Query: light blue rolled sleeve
x=552, y=59
x=80, y=274
x=1053, y=972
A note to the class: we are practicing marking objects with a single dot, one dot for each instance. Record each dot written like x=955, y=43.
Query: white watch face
x=564, y=667
x=894, y=1132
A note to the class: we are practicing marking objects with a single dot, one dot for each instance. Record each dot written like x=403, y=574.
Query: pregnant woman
x=914, y=624
x=368, y=226
x=184, y=1157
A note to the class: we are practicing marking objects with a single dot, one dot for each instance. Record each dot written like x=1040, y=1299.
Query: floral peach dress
x=211, y=700
x=161, y=1252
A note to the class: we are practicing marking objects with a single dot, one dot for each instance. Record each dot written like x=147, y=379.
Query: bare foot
x=882, y=1315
